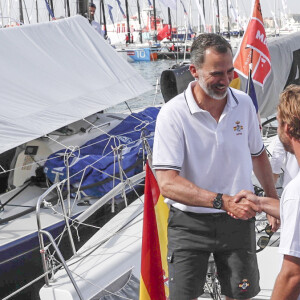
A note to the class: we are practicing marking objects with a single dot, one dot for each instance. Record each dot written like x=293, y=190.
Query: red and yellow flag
x=254, y=44
x=154, y=267
x=236, y=82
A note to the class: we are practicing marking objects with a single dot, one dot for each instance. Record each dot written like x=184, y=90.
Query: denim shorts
x=192, y=237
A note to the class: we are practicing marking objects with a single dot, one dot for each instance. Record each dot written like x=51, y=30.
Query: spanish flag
x=236, y=82
x=154, y=267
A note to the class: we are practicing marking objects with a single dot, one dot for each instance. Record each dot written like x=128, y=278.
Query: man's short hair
x=289, y=110
x=205, y=41
x=91, y=4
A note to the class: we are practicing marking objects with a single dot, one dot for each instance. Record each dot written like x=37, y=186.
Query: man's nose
x=226, y=79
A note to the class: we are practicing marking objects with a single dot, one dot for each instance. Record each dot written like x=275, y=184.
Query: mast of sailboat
x=140, y=23
x=204, y=25
x=26, y=10
x=102, y=16
x=199, y=20
x=127, y=19
x=51, y=7
x=218, y=17
x=37, y=11
x=67, y=8
x=21, y=16
x=170, y=22
x=228, y=19
x=155, y=26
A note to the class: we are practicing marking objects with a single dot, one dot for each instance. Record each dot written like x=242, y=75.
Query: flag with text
x=253, y=49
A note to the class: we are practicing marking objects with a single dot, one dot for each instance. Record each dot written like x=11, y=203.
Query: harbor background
x=151, y=71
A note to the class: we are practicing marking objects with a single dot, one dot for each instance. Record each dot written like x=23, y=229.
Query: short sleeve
x=256, y=144
x=278, y=156
x=290, y=231
x=168, y=149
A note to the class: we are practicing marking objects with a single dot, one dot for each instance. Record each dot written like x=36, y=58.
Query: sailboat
x=54, y=94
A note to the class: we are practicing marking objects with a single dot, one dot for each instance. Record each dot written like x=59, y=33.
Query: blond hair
x=289, y=110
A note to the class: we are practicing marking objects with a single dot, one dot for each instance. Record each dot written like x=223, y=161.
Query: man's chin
x=286, y=145
x=218, y=96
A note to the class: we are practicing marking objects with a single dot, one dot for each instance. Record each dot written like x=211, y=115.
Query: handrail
x=113, y=192
x=40, y=235
x=50, y=237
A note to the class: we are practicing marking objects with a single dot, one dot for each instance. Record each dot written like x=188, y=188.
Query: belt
x=216, y=215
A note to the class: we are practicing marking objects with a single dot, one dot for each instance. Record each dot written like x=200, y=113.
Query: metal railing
x=42, y=232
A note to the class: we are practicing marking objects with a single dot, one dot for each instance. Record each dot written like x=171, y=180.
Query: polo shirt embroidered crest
x=244, y=285
x=238, y=128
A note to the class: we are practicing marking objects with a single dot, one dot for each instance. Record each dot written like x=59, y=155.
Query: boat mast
x=37, y=11
x=102, y=14
x=140, y=25
x=218, y=18
x=228, y=19
x=52, y=8
x=127, y=19
x=199, y=20
x=155, y=27
x=21, y=12
x=203, y=14
x=170, y=22
x=67, y=8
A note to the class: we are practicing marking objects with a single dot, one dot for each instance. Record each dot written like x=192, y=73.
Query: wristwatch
x=218, y=201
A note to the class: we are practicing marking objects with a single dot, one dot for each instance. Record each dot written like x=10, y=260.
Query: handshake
x=245, y=205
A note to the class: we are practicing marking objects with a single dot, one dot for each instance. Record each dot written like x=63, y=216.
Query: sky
x=293, y=6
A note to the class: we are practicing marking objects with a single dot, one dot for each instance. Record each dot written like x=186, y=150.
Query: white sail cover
x=55, y=73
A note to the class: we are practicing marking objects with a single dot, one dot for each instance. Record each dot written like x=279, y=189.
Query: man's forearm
x=181, y=190
x=270, y=206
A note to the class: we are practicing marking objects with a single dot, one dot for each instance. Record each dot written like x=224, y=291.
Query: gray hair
x=205, y=41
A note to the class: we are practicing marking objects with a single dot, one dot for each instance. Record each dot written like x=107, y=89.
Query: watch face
x=218, y=202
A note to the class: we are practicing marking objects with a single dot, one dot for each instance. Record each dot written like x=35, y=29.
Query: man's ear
x=193, y=71
x=286, y=129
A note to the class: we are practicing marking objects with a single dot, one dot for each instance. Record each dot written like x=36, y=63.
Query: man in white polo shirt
x=207, y=141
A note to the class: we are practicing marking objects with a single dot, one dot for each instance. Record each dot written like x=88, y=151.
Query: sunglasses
x=263, y=241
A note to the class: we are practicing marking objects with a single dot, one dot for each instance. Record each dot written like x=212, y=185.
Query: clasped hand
x=243, y=205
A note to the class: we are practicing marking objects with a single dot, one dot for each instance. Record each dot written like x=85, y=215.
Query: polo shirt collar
x=232, y=100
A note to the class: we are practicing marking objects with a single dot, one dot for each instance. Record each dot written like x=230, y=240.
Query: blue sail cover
x=96, y=164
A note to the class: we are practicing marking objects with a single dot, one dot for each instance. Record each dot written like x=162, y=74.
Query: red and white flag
x=254, y=39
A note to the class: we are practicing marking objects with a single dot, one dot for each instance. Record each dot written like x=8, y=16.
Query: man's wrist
x=272, y=195
x=260, y=203
x=218, y=201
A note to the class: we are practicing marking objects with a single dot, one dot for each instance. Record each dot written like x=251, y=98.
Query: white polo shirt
x=289, y=219
x=214, y=156
x=282, y=159
x=97, y=27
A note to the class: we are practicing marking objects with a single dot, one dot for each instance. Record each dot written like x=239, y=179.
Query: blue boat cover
x=96, y=164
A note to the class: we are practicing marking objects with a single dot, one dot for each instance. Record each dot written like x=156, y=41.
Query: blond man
x=287, y=285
